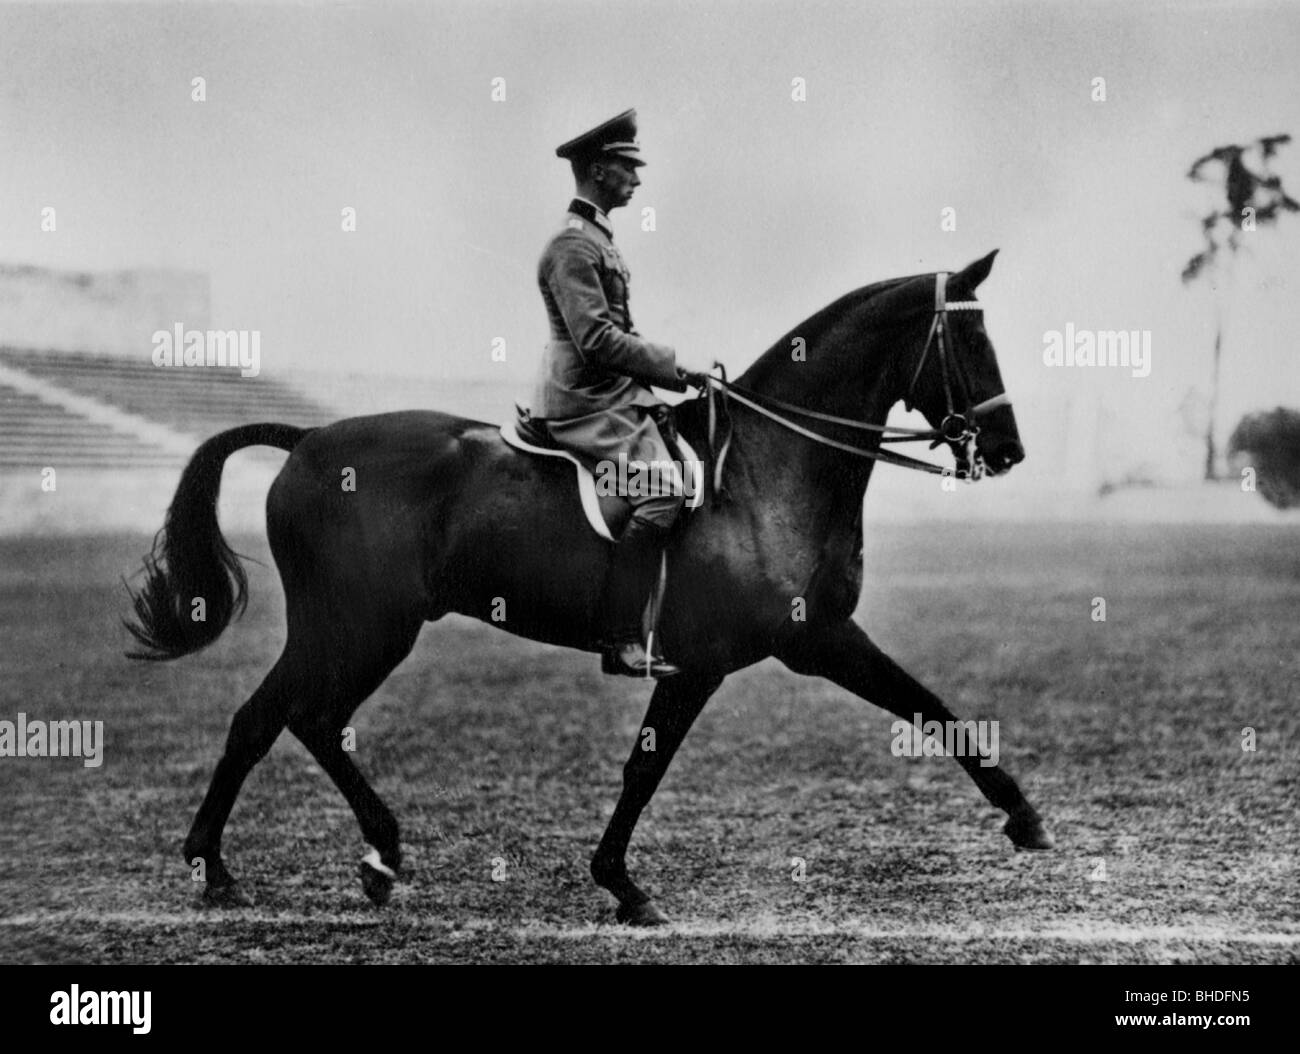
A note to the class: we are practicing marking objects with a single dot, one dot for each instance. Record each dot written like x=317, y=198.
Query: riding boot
x=628, y=584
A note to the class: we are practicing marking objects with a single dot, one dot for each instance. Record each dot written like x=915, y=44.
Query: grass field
x=1173, y=843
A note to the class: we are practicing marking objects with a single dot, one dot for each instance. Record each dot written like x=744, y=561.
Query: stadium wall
x=105, y=312
x=126, y=501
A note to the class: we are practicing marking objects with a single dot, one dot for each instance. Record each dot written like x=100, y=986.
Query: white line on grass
x=755, y=929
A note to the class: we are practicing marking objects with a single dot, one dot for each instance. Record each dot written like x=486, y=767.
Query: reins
x=955, y=427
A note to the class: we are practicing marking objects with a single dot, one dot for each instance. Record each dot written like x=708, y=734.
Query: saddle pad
x=587, y=482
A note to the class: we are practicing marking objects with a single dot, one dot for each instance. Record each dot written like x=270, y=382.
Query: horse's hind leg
x=319, y=720
x=379, y=827
x=253, y=730
x=314, y=688
x=843, y=653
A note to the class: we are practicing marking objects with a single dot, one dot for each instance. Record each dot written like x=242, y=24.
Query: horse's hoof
x=226, y=895
x=377, y=884
x=643, y=914
x=1025, y=830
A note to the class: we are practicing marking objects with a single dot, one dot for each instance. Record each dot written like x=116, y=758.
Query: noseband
x=955, y=429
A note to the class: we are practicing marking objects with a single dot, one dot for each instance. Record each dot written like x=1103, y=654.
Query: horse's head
x=955, y=382
x=848, y=364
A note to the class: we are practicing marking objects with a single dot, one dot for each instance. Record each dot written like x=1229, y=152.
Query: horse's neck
x=805, y=474
x=838, y=373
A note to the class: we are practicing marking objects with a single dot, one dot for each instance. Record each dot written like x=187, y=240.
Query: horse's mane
x=815, y=326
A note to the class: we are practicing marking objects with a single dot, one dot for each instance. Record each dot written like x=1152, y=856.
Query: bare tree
x=1254, y=197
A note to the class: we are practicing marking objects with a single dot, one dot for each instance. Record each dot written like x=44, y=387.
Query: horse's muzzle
x=1001, y=455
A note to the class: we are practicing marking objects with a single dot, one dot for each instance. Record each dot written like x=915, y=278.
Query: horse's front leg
x=676, y=702
x=843, y=653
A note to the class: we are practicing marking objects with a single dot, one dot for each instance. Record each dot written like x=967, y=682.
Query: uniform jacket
x=595, y=360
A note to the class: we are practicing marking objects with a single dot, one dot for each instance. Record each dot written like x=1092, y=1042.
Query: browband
x=941, y=297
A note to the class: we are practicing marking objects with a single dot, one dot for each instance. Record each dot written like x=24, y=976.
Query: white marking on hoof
x=372, y=858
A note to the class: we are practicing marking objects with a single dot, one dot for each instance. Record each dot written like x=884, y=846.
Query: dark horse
x=445, y=517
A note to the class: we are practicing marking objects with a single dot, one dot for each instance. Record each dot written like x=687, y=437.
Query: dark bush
x=1269, y=442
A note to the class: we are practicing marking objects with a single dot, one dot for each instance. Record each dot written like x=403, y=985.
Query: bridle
x=957, y=428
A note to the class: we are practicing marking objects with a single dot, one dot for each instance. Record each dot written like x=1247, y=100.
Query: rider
x=594, y=389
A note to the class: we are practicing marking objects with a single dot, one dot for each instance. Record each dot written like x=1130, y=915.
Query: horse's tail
x=191, y=561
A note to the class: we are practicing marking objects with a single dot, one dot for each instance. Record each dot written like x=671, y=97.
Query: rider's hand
x=693, y=373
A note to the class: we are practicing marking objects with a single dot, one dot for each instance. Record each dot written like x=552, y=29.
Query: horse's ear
x=975, y=273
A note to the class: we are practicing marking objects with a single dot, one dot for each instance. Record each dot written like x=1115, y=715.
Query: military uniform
x=596, y=360
x=594, y=388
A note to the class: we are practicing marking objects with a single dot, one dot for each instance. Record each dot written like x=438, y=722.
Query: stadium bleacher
x=35, y=433
x=192, y=403
x=80, y=393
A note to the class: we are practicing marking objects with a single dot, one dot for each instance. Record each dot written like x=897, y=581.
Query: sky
x=765, y=208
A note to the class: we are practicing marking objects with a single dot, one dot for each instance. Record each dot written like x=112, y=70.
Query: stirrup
x=651, y=667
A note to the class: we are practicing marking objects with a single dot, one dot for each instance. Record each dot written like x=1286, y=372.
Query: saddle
x=607, y=514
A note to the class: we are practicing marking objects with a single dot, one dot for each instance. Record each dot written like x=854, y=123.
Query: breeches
x=646, y=474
